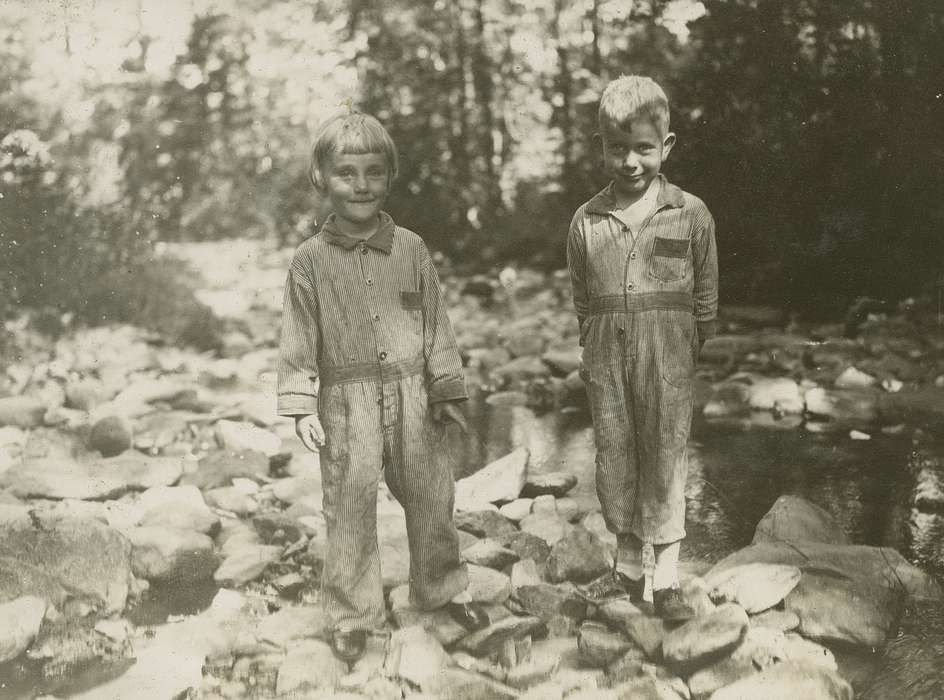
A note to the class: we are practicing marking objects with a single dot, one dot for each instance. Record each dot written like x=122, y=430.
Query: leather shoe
x=348, y=646
x=472, y=616
x=670, y=607
x=610, y=586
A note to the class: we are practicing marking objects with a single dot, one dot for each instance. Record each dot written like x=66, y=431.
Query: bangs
x=354, y=134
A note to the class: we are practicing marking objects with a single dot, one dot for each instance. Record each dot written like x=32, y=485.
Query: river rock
x=578, y=556
x=599, y=646
x=239, y=436
x=929, y=490
x=291, y=623
x=220, y=467
x=416, y=656
x=484, y=523
x=93, y=479
x=563, y=361
x=852, y=378
x=844, y=406
x=179, y=507
x=647, y=632
x=246, y=563
x=159, y=430
x=517, y=509
x=780, y=394
x=501, y=480
x=546, y=600
x=164, y=554
x=555, y=484
x=702, y=638
x=755, y=587
x=923, y=408
x=231, y=499
x=523, y=573
x=110, y=436
x=794, y=519
x=487, y=585
x=488, y=552
x=550, y=527
x=20, y=620
x=526, y=545
x=491, y=638
x=85, y=394
x=522, y=369
x=21, y=411
x=780, y=620
x=788, y=681
x=309, y=665
x=66, y=561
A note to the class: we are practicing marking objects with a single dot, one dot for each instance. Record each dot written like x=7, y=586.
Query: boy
x=369, y=368
x=644, y=270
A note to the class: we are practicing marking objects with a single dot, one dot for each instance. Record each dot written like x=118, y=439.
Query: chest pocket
x=669, y=259
x=412, y=300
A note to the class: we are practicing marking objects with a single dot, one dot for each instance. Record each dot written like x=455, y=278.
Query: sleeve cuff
x=451, y=390
x=707, y=329
x=297, y=404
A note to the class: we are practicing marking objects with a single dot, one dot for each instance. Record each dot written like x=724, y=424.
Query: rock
x=594, y=522
x=525, y=573
x=852, y=378
x=794, y=519
x=754, y=316
x=67, y=561
x=94, y=479
x=550, y=528
x=85, y=394
x=245, y=564
x=844, y=406
x=110, y=436
x=755, y=587
x=834, y=608
x=526, y=545
x=241, y=436
x=485, y=523
x=459, y=684
x=578, y=556
x=501, y=480
x=309, y=665
x=923, y=408
x=21, y=411
x=569, y=509
x=555, y=484
x=694, y=591
x=20, y=620
x=599, y=646
x=487, y=585
x=929, y=490
x=537, y=669
x=491, y=638
x=618, y=613
x=414, y=655
x=780, y=394
x=507, y=398
x=544, y=505
x=522, y=369
x=517, y=509
x=163, y=554
x=633, y=678
x=488, y=552
x=702, y=638
x=180, y=507
x=788, y=681
x=231, y=499
x=524, y=342
x=563, y=361
x=725, y=671
x=647, y=632
x=221, y=467
x=780, y=620
x=728, y=399
x=158, y=431
x=546, y=600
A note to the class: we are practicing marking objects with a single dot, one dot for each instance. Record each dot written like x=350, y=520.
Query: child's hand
x=448, y=411
x=309, y=431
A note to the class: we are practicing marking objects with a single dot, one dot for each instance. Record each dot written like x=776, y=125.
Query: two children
x=370, y=370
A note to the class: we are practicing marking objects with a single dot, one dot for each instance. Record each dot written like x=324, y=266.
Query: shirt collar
x=381, y=240
x=604, y=202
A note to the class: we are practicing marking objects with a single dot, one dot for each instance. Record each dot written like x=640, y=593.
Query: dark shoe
x=670, y=607
x=472, y=616
x=348, y=646
x=610, y=586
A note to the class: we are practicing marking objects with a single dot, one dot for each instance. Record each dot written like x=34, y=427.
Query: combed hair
x=350, y=132
x=632, y=96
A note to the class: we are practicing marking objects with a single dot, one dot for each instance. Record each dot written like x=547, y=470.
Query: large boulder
x=794, y=519
x=166, y=554
x=555, y=484
x=501, y=480
x=788, y=681
x=179, y=507
x=755, y=587
x=705, y=637
x=70, y=562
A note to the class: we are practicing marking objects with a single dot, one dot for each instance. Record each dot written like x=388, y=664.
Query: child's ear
x=667, y=143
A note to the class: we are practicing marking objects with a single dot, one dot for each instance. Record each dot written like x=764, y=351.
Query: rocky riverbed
x=132, y=472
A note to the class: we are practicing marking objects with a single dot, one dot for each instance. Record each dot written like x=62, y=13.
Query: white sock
x=666, y=571
x=629, y=556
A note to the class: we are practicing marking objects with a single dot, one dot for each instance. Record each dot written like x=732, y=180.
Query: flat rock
x=491, y=638
x=578, y=556
x=487, y=585
x=245, y=564
x=310, y=665
x=232, y=499
x=219, y=468
x=165, y=554
x=239, y=436
x=852, y=378
x=484, y=523
x=555, y=484
x=788, y=681
x=517, y=509
x=794, y=519
x=20, y=620
x=488, y=552
x=702, y=638
x=416, y=656
x=180, y=507
x=501, y=480
x=21, y=411
x=599, y=646
x=632, y=678
x=437, y=622
x=755, y=587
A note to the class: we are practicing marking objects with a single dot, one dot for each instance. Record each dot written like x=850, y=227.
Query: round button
x=380, y=401
x=629, y=286
x=376, y=317
x=620, y=331
x=383, y=355
x=632, y=256
x=363, y=249
x=370, y=282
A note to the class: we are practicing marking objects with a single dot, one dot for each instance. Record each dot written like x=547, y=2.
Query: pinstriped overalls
x=643, y=304
x=365, y=321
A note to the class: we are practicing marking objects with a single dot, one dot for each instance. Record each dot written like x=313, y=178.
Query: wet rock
x=788, y=681
x=844, y=406
x=21, y=411
x=780, y=394
x=728, y=399
x=755, y=587
x=241, y=436
x=487, y=585
x=852, y=378
x=491, y=638
x=93, y=479
x=71, y=562
x=578, y=556
x=923, y=408
x=231, y=499
x=523, y=573
x=416, y=656
x=501, y=480
x=599, y=646
x=517, y=509
x=526, y=545
x=219, y=468
x=110, y=436
x=163, y=554
x=794, y=519
x=555, y=484
x=702, y=638
x=245, y=563
x=310, y=665
x=488, y=552
x=549, y=527
x=485, y=523
x=780, y=620
x=20, y=620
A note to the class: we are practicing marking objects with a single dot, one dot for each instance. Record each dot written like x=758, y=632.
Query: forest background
x=814, y=130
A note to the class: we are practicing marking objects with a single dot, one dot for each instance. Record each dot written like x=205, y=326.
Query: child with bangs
x=369, y=369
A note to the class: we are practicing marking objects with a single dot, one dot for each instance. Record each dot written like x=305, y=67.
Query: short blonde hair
x=632, y=97
x=350, y=132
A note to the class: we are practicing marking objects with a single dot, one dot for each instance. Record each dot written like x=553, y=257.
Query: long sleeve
x=705, y=267
x=577, y=264
x=298, y=350
x=444, y=379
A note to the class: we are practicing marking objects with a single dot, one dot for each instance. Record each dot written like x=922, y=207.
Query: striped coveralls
x=367, y=344
x=643, y=303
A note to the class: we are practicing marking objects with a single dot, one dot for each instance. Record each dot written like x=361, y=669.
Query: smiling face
x=633, y=153
x=357, y=185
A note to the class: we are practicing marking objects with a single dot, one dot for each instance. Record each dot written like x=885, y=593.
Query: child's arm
x=444, y=380
x=298, y=350
x=577, y=264
x=705, y=267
